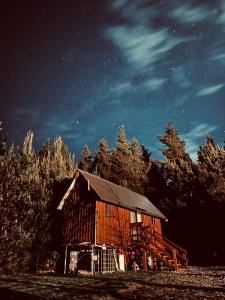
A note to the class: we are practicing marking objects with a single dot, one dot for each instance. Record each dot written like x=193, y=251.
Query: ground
x=196, y=283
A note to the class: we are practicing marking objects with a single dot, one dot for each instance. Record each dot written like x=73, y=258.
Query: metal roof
x=117, y=195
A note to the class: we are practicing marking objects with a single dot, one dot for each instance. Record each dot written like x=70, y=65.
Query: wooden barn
x=107, y=227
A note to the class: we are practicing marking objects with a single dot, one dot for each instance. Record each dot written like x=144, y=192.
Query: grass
x=197, y=283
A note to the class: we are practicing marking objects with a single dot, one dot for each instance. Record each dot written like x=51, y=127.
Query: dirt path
x=197, y=283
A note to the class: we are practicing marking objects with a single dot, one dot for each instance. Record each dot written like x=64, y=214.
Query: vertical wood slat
x=82, y=209
x=115, y=229
x=79, y=215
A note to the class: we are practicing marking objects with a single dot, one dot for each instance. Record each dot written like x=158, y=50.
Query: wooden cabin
x=107, y=227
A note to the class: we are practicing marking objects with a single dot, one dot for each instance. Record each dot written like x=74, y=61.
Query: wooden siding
x=79, y=214
x=114, y=227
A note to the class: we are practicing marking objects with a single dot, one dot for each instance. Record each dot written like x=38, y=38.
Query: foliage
x=27, y=185
x=191, y=194
x=86, y=159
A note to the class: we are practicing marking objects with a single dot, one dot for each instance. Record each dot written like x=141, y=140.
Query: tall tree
x=177, y=168
x=139, y=167
x=211, y=169
x=121, y=160
x=86, y=159
x=209, y=204
x=102, y=161
x=2, y=141
x=175, y=146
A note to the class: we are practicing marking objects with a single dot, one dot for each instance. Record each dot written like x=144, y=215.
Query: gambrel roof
x=112, y=193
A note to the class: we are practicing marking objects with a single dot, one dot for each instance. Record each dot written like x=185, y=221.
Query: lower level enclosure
x=102, y=259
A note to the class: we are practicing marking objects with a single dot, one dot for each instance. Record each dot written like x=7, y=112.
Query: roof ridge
x=110, y=182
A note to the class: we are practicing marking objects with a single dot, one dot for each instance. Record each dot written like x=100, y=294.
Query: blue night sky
x=80, y=69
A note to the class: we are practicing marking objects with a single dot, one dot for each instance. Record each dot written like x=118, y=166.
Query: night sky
x=80, y=69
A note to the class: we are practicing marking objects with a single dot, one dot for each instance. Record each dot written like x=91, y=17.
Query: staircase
x=162, y=249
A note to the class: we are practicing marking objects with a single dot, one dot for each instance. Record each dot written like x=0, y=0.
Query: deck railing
x=167, y=251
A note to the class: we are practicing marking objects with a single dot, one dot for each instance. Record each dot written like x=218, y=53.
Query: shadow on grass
x=115, y=286
x=8, y=294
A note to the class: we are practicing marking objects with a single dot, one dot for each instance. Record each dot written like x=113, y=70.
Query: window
x=153, y=221
x=132, y=217
x=135, y=217
x=107, y=210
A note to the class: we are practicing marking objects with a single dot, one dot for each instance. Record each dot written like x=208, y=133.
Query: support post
x=174, y=252
x=92, y=260
x=65, y=261
x=145, y=261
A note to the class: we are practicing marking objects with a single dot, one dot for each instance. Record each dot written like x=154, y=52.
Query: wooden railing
x=168, y=252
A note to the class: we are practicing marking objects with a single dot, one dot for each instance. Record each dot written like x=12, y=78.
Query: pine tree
x=86, y=159
x=102, y=161
x=209, y=204
x=121, y=160
x=211, y=169
x=146, y=155
x=2, y=141
x=139, y=168
x=177, y=168
x=62, y=164
x=175, y=146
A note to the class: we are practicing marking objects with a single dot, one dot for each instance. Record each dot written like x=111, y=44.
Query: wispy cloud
x=194, y=137
x=180, y=77
x=219, y=57
x=210, y=90
x=182, y=99
x=118, y=4
x=134, y=11
x=143, y=46
x=186, y=13
x=221, y=16
x=154, y=83
x=121, y=88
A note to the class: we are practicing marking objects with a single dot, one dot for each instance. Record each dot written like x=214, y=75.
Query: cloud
x=134, y=11
x=180, y=77
x=154, y=83
x=121, y=88
x=220, y=57
x=186, y=13
x=194, y=136
x=200, y=130
x=118, y=4
x=210, y=90
x=143, y=46
x=221, y=17
x=182, y=99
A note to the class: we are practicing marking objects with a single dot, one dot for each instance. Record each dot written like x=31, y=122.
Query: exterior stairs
x=162, y=250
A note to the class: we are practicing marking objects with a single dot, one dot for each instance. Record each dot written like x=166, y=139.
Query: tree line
x=191, y=194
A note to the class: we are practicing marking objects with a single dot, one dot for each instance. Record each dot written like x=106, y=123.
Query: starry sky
x=81, y=69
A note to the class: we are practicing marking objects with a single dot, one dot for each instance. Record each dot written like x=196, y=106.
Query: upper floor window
x=135, y=217
x=107, y=209
x=153, y=221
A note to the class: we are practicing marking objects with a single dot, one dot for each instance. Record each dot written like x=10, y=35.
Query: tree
x=86, y=159
x=121, y=160
x=102, y=161
x=177, y=168
x=209, y=204
x=145, y=155
x=139, y=167
x=2, y=141
x=175, y=146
